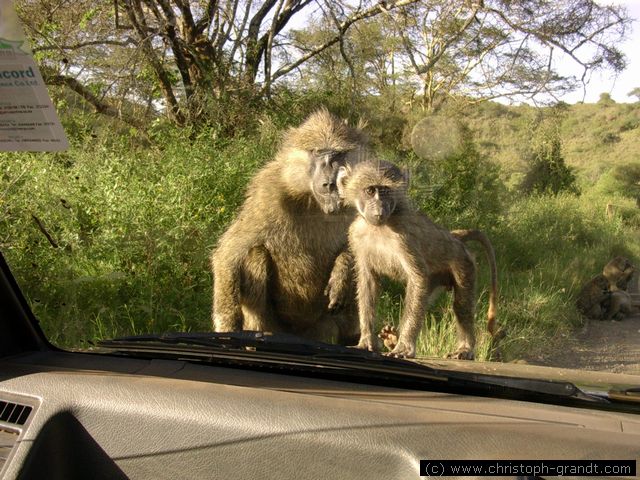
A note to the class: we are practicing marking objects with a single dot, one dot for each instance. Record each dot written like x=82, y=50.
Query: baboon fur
x=283, y=264
x=390, y=238
x=618, y=273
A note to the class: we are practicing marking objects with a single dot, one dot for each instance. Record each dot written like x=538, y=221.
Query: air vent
x=7, y=441
x=14, y=413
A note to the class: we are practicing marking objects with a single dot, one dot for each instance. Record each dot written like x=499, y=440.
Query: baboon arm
x=340, y=280
x=368, y=289
x=226, y=262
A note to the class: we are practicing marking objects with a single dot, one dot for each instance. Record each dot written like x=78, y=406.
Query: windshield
x=423, y=179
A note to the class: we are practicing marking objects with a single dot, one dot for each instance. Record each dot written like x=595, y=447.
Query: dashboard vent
x=14, y=413
x=7, y=441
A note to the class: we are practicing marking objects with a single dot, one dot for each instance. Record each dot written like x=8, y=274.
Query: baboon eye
x=370, y=191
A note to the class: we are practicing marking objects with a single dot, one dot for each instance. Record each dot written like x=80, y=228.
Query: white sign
x=28, y=121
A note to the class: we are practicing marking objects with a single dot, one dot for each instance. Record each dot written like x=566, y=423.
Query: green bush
x=133, y=231
x=461, y=190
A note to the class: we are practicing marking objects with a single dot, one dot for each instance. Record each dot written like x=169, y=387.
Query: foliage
x=463, y=188
x=605, y=99
x=634, y=93
x=133, y=229
x=214, y=63
x=547, y=171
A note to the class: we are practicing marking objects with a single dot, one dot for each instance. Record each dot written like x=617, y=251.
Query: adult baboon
x=389, y=238
x=618, y=272
x=286, y=251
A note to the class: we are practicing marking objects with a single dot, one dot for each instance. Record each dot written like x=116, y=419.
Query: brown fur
x=618, y=272
x=406, y=246
x=282, y=254
x=594, y=298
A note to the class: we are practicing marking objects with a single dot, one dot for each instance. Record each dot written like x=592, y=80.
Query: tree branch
x=88, y=95
x=344, y=26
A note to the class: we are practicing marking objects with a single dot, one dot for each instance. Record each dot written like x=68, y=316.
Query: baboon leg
x=417, y=298
x=368, y=289
x=339, y=286
x=257, y=307
x=464, y=311
x=621, y=306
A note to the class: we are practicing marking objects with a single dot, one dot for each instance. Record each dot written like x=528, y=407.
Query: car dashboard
x=82, y=415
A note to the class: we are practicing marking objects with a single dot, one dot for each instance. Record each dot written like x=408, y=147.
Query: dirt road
x=600, y=345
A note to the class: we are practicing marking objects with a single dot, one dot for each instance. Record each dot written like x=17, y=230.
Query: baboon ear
x=344, y=172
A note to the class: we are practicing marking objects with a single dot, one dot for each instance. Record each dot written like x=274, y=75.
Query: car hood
x=594, y=381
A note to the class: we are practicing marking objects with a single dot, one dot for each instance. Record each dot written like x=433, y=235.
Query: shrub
x=547, y=171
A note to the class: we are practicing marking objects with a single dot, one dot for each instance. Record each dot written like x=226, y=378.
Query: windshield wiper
x=260, y=347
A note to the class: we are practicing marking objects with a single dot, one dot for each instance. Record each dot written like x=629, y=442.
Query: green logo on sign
x=13, y=46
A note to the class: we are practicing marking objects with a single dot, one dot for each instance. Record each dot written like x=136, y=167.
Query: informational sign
x=28, y=120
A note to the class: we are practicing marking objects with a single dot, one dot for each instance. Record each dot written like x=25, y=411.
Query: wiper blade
x=286, y=347
x=242, y=341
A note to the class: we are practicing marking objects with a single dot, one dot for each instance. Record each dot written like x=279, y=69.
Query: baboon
x=621, y=305
x=389, y=238
x=283, y=265
x=595, y=298
x=618, y=273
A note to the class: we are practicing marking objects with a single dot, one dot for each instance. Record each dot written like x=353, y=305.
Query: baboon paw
x=462, y=354
x=368, y=344
x=336, y=298
x=402, y=351
x=389, y=336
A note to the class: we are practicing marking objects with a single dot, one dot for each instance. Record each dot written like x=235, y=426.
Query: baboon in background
x=598, y=301
x=283, y=264
x=621, y=305
x=389, y=238
x=618, y=272
x=594, y=299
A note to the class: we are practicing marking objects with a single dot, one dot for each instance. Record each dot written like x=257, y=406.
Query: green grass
x=134, y=221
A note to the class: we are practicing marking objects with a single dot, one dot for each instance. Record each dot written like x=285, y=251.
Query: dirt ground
x=600, y=345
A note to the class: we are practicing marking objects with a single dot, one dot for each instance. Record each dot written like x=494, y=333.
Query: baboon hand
x=389, y=336
x=403, y=350
x=370, y=343
x=337, y=295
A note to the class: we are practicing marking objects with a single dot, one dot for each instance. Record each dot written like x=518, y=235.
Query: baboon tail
x=479, y=236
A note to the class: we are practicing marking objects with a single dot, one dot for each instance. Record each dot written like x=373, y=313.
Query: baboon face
x=324, y=165
x=376, y=204
x=374, y=188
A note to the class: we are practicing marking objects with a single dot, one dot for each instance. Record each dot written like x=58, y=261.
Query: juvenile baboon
x=283, y=264
x=594, y=299
x=389, y=238
x=618, y=272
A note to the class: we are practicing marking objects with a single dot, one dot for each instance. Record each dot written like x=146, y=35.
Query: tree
x=193, y=60
x=483, y=50
x=635, y=93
